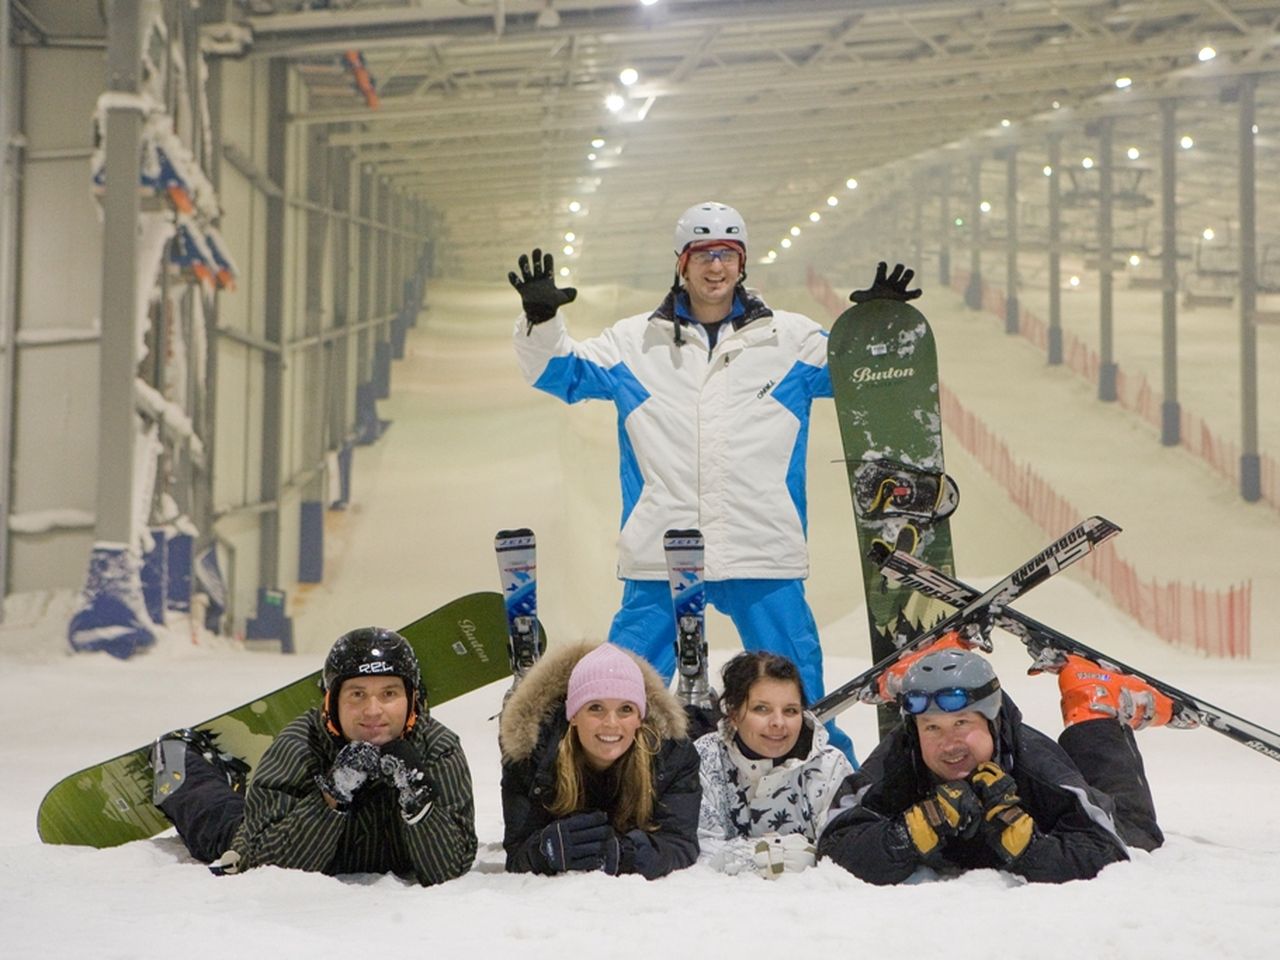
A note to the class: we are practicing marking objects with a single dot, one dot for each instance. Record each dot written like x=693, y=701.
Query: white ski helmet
x=709, y=221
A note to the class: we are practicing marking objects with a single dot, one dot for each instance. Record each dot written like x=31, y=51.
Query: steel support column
x=944, y=226
x=1011, y=310
x=1250, y=463
x=273, y=329
x=1106, y=332
x=1170, y=408
x=973, y=293
x=117, y=421
x=1055, y=250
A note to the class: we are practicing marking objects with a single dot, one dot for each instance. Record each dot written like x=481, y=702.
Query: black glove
x=953, y=811
x=404, y=767
x=576, y=842
x=1006, y=827
x=537, y=288
x=891, y=287
x=356, y=764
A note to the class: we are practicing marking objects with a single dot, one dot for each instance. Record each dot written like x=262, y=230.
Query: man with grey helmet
x=713, y=390
x=962, y=783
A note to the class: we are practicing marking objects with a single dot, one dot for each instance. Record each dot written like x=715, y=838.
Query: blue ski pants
x=771, y=615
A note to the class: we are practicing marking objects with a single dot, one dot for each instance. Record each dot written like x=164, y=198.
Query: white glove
x=775, y=855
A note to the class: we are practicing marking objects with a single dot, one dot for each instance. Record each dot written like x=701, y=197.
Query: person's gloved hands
x=537, y=287
x=575, y=842
x=775, y=855
x=611, y=854
x=356, y=764
x=1007, y=828
x=890, y=287
x=405, y=768
x=953, y=811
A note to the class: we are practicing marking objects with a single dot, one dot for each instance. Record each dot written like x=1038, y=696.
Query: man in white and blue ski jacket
x=713, y=391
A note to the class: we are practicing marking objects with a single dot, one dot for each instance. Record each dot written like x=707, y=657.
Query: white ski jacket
x=709, y=439
x=743, y=800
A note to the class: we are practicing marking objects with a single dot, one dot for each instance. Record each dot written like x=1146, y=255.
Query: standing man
x=713, y=390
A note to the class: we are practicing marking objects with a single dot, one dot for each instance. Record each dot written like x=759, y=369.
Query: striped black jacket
x=288, y=824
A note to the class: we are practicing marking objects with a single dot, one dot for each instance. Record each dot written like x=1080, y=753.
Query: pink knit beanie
x=606, y=673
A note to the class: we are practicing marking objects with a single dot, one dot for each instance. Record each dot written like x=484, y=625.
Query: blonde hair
x=633, y=809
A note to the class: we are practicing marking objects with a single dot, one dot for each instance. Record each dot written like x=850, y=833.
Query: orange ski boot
x=1090, y=691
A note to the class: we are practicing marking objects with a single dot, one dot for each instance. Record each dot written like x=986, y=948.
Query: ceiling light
x=647, y=3
x=564, y=271
x=568, y=250
x=1133, y=153
x=984, y=206
x=597, y=142
x=570, y=237
x=1048, y=170
x=851, y=183
x=1187, y=143
x=833, y=201
x=815, y=216
x=1006, y=123
x=1208, y=233
x=548, y=18
x=1206, y=53
x=574, y=206
x=1074, y=281
x=628, y=76
x=1135, y=260
x=1087, y=163
x=786, y=243
x=614, y=103
x=1057, y=104
x=591, y=156
x=794, y=231
x=1123, y=83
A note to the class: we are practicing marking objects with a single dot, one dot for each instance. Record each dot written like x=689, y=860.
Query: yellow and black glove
x=952, y=811
x=1007, y=828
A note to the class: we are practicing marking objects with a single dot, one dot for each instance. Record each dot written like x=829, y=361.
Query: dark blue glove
x=404, y=767
x=892, y=286
x=575, y=842
x=537, y=287
x=611, y=854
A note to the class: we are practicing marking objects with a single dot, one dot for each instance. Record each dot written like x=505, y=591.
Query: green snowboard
x=884, y=372
x=461, y=647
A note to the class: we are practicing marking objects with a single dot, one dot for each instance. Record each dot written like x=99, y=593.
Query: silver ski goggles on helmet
x=948, y=699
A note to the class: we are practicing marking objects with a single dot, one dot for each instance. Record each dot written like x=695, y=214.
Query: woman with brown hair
x=597, y=772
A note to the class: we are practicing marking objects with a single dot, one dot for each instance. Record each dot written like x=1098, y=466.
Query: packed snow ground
x=472, y=450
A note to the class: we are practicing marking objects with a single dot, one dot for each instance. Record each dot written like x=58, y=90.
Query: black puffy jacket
x=1075, y=835
x=532, y=726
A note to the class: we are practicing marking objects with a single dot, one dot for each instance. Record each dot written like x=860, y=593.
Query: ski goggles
x=729, y=256
x=948, y=699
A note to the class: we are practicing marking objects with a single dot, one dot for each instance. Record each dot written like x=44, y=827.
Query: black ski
x=974, y=614
x=1049, y=647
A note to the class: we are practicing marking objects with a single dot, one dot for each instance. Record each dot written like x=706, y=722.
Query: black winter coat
x=1075, y=836
x=532, y=726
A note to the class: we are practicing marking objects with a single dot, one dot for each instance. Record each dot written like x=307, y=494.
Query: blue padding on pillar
x=345, y=458
x=382, y=370
x=155, y=587
x=271, y=622
x=311, y=543
x=181, y=547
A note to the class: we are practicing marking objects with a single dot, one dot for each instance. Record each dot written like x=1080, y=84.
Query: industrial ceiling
x=488, y=109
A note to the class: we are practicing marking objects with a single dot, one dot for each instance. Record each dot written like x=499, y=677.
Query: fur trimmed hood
x=539, y=700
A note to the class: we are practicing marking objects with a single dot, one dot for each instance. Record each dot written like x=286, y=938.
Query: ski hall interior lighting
x=1206, y=53
x=614, y=103
x=628, y=76
x=1124, y=83
x=1186, y=143
x=785, y=243
x=851, y=184
x=597, y=142
x=814, y=216
x=794, y=231
x=833, y=201
x=1087, y=163
x=1133, y=153
x=574, y=206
